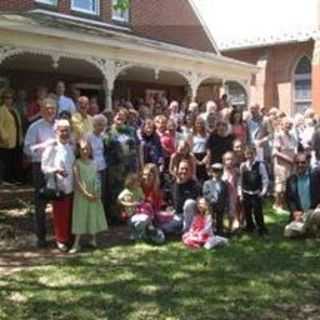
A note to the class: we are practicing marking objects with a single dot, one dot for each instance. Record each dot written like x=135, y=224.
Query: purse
x=50, y=190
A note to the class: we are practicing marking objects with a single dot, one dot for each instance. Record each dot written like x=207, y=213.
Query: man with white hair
x=57, y=164
x=39, y=135
x=211, y=108
x=258, y=132
x=193, y=108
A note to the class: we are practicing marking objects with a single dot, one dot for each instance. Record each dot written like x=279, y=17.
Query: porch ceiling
x=163, y=77
x=44, y=64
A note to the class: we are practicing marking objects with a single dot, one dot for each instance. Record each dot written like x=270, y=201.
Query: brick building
x=154, y=47
x=281, y=38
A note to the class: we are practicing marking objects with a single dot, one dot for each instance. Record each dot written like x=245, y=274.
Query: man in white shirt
x=64, y=103
x=39, y=135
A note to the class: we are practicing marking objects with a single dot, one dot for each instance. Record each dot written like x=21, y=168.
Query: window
x=237, y=94
x=302, y=85
x=119, y=14
x=50, y=2
x=86, y=6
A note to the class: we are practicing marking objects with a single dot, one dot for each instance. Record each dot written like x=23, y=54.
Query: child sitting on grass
x=139, y=213
x=200, y=233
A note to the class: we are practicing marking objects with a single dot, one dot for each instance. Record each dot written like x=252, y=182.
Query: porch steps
x=15, y=196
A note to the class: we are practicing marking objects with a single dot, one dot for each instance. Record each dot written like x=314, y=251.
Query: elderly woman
x=95, y=139
x=122, y=150
x=10, y=137
x=57, y=164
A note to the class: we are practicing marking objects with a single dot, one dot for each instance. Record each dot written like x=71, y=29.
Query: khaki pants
x=309, y=226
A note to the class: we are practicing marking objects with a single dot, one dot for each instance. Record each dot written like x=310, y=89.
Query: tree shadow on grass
x=252, y=278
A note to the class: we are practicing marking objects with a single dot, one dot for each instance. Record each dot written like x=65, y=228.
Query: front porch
x=114, y=64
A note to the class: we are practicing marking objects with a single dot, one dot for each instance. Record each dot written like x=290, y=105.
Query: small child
x=139, y=213
x=88, y=214
x=253, y=186
x=215, y=192
x=230, y=176
x=200, y=233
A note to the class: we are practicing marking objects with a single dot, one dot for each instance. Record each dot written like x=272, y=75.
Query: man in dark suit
x=303, y=198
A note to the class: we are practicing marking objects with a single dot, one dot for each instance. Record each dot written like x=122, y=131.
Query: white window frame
x=295, y=78
x=116, y=14
x=48, y=2
x=96, y=12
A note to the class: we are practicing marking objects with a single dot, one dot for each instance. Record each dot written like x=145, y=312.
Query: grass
x=251, y=279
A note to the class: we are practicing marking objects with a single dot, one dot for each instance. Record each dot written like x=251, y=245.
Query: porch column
x=316, y=77
x=108, y=90
x=194, y=83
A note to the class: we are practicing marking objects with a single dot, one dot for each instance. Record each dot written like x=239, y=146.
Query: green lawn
x=251, y=279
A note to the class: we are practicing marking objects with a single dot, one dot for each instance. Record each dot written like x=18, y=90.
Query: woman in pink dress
x=201, y=233
x=231, y=176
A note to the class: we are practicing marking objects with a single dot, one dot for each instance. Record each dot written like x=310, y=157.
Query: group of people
x=201, y=172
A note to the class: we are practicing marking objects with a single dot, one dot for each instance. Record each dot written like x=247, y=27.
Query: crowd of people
x=199, y=171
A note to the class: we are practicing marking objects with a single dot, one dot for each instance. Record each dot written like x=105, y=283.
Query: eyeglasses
x=301, y=162
x=8, y=97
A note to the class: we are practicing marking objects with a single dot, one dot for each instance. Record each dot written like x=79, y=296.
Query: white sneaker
x=62, y=247
x=74, y=250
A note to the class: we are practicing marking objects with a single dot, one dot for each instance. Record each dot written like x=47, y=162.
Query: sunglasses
x=301, y=162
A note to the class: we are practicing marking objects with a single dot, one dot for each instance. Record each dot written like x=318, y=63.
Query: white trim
x=96, y=12
x=230, y=46
x=48, y=2
x=131, y=42
x=204, y=26
x=74, y=18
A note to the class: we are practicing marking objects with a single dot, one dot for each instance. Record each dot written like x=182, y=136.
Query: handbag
x=50, y=190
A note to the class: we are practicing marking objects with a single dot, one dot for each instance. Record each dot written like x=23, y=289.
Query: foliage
x=254, y=278
x=122, y=4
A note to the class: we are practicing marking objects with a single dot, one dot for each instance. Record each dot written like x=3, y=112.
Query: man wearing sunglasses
x=303, y=199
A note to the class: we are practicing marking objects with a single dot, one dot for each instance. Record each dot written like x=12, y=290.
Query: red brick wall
x=16, y=5
x=278, y=89
x=171, y=21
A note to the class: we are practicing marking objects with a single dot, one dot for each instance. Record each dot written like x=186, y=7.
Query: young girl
x=151, y=188
x=139, y=213
x=230, y=176
x=88, y=215
x=200, y=233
